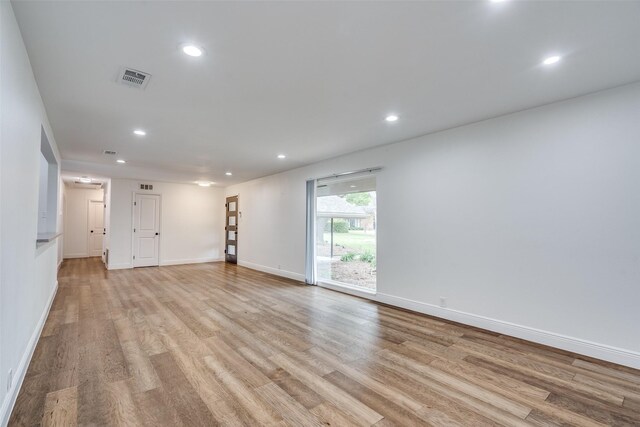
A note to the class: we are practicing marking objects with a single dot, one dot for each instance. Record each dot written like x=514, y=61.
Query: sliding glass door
x=345, y=236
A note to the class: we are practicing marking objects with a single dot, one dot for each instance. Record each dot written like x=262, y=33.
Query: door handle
x=92, y=231
x=157, y=234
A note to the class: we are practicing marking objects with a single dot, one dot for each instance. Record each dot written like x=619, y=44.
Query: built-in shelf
x=47, y=237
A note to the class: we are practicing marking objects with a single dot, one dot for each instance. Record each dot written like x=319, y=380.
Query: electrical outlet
x=443, y=302
x=9, y=380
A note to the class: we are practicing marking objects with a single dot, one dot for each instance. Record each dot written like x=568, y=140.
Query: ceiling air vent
x=134, y=78
x=110, y=152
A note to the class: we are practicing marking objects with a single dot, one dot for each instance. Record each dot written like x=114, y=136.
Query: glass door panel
x=231, y=228
x=346, y=223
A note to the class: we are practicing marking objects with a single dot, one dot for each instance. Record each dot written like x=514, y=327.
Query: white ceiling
x=309, y=79
x=71, y=177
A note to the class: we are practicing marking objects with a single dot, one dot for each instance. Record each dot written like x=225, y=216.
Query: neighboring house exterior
x=337, y=207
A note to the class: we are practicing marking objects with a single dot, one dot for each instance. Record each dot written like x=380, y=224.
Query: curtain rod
x=343, y=174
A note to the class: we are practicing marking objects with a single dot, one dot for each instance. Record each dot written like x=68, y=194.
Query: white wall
x=3, y=381
x=529, y=224
x=27, y=274
x=60, y=221
x=76, y=222
x=191, y=223
x=107, y=218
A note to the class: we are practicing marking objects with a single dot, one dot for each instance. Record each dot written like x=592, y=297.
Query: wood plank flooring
x=217, y=344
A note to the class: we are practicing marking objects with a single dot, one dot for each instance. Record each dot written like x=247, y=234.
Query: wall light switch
x=9, y=380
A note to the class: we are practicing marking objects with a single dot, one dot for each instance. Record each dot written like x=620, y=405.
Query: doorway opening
x=345, y=227
x=84, y=217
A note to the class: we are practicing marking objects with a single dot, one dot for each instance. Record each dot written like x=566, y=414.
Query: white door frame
x=104, y=227
x=89, y=226
x=133, y=222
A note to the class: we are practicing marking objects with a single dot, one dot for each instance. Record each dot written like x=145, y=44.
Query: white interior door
x=96, y=227
x=146, y=230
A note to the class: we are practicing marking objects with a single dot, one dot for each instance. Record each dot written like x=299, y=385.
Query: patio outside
x=346, y=239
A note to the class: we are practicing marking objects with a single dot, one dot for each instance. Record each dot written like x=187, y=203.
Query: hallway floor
x=219, y=344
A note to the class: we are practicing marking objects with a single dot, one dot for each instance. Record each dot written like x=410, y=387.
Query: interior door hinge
x=134, y=257
x=135, y=203
x=225, y=251
x=134, y=230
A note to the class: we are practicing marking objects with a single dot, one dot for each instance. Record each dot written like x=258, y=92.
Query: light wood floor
x=215, y=344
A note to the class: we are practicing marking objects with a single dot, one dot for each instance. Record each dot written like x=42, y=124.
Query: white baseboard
x=274, y=271
x=349, y=290
x=552, y=339
x=21, y=370
x=168, y=262
x=72, y=256
x=190, y=261
x=119, y=266
x=575, y=345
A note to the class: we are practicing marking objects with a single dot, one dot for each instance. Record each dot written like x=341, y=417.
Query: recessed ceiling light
x=551, y=60
x=192, y=50
x=204, y=183
x=282, y=156
x=121, y=161
x=85, y=180
x=140, y=132
x=497, y=1
x=228, y=173
x=352, y=186
x=391, y=118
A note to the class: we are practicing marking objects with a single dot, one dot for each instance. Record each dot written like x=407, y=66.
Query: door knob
x=157, y=234
x=92, y=231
